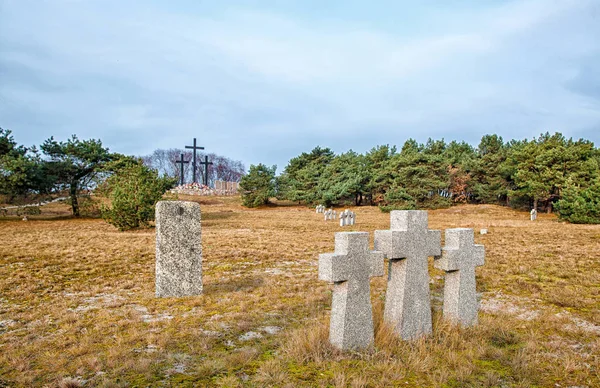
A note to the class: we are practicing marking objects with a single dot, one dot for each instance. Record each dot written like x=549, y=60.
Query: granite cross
x=194, y=148
x=459, y=258
x=407, y=246
x=182, y=162
x=206, y=163
x=349, y=267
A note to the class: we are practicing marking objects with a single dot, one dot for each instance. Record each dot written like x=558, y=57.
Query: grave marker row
x=347, y=217
x=330, y=215
x=407, y=245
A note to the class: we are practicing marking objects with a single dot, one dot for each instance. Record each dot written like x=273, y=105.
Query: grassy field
x=77, y=305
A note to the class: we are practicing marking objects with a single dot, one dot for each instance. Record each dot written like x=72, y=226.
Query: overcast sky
x=263, y=81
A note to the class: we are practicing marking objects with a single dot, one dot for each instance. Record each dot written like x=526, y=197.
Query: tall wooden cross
x=206, y=163
x=182, y=162
x=194, y=148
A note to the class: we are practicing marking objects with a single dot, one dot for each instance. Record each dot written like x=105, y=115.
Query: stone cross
x=327, y=214
x=352, y=216
x=194, y=148
x=349, y=268
x=334, y=215
x=533, y=214
x=342, y=218
x=182, y=162
x=407, y=246
x=178, y=249
x=459, y=258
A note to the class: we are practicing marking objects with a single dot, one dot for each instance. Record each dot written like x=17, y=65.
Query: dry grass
x=77, y=306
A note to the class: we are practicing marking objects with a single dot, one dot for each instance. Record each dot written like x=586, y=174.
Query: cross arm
x=332, y=267
x=376, y=264
x=479, y=254
x=449, y=260
x=434, y=243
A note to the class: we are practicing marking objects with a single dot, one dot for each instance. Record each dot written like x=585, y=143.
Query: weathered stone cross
x=407, y=246
x=349, y=268
x=459, y=258
x=182, y=162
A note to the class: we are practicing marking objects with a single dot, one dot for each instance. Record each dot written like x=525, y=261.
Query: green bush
x=258, y=186
x=133, y=191
x=580, y=205
x=397, y=199
x=29, y=211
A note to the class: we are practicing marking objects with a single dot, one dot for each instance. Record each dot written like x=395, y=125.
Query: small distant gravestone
x=459, y=258
x=342, y=218
x=352, y=218
x=349, y=267
x=178, y=249
x=533, y=214
x=483, y=231
x=407, y=246
x=334, y=215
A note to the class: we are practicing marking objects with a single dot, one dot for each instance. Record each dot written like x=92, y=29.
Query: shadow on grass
x=232, y=285
x=222, y=215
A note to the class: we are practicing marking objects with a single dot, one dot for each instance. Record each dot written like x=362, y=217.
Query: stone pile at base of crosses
x=194, y=189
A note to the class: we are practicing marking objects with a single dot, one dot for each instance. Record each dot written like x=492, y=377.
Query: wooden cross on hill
x=194, y=148
x=206, y=163
x=182, y=162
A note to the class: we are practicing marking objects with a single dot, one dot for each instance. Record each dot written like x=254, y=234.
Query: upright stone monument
x=459, y=258
x=178, y=249
x=533, y=214
x=349, y=268
x=407, y=246
x=342, y=218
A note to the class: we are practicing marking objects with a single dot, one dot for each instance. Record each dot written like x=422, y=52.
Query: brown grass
x=77, y=306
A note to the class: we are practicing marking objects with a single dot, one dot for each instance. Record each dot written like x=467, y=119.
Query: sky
x=264, y=81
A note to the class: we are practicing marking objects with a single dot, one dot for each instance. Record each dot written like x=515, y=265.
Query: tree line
x=548, y=173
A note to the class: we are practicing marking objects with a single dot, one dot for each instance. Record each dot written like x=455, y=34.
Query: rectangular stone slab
x=178, y=249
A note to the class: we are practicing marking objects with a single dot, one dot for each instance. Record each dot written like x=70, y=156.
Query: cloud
x=265, y=84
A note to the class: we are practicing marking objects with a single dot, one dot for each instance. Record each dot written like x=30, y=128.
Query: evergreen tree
x=489, y=182
x=301, y=176
x=580, y=205
x=75, y=163
x=133, y=190
x=380, y=173
x=345, y=178
x=258, y=186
